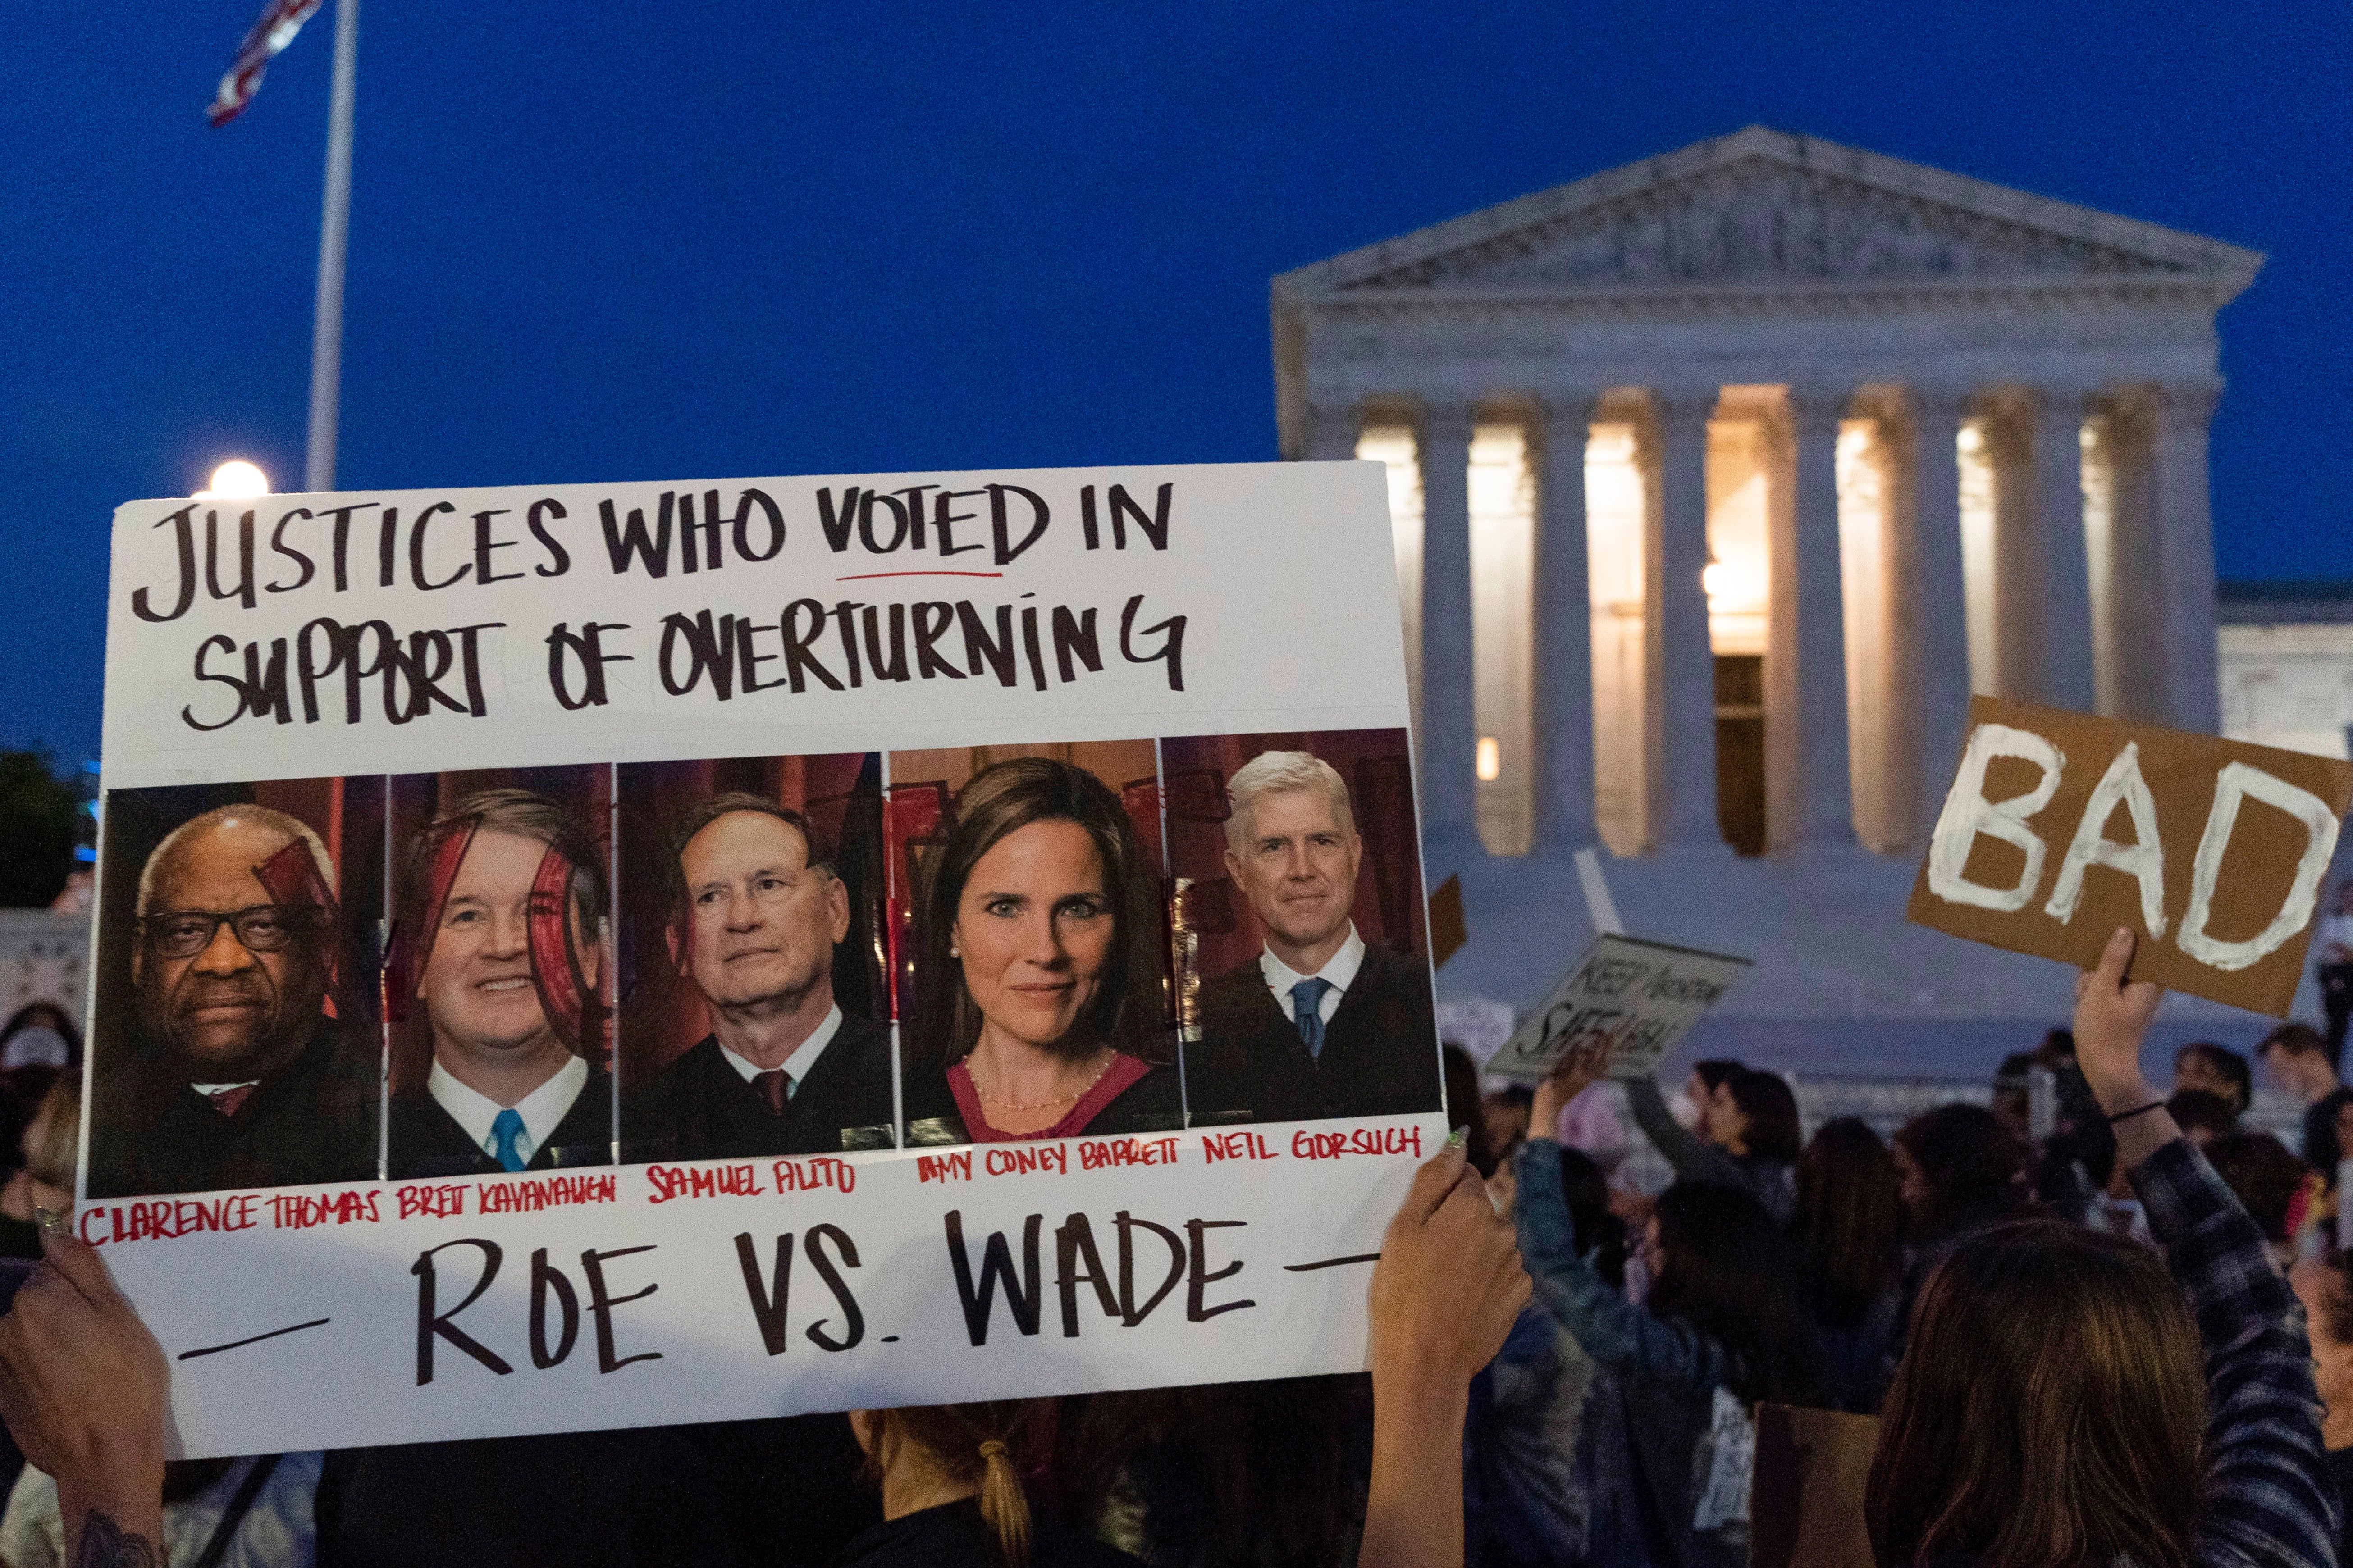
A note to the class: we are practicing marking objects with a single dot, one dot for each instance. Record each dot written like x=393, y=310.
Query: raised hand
x=1449, y=1282
x=2111, y=1019
x=1444, y=1295
x=1580, y=1070
x=83, y=1387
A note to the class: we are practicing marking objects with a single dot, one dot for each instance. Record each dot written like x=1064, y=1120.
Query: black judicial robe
x=314, y=1119
x=1379, y=1057
x=701, y=1108
x=426, y=1141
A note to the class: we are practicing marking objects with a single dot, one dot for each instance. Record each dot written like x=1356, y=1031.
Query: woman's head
x=2322, y=1286
x=2048, y=1410
x=2265, y=1177
x=1719, y=1264
x=1955, y=1161
x=1039, y=921
x=1849, y=1217
x=1700, y=1088
x=1754, y=1113
x=927, y=1455
x=1600, y=1235
x=52, y=1137
x=2217, y=1069
x=1464, y=1111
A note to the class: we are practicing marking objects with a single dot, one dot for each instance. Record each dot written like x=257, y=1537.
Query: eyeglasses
x=262, y=928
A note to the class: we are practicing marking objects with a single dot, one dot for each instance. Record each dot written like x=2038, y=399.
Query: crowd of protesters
x=2098, y=1325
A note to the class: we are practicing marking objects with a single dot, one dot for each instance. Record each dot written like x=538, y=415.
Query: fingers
x=2114, y=959
x=1468, y=1195
x=1432, y=1183
x=2136, y=1000
x=79, y=1264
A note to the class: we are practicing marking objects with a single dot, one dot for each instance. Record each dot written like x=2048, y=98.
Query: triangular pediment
x=1761, y=209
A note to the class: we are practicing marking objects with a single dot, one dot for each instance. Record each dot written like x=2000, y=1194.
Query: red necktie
x=227, y=1100
x=773, y=1088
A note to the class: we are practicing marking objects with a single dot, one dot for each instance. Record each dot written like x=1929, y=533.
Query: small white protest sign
x=1640, y=996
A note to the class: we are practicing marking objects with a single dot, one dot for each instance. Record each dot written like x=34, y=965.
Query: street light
x=235, y=480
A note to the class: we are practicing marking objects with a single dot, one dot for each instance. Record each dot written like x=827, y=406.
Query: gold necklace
x=988, y=1098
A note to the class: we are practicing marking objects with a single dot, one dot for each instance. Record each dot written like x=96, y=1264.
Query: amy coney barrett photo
x=1039, y=985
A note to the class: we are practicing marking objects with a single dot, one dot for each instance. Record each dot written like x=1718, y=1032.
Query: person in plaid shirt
x=2051, y=1408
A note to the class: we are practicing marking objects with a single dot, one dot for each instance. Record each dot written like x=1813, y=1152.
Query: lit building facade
x=2287, y=666
x=1718, y=482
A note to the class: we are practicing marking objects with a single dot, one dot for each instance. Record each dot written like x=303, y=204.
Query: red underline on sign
x=866, y=577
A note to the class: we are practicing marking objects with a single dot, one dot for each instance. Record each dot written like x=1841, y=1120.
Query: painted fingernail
x=54, y=1221
x=1458, y=1138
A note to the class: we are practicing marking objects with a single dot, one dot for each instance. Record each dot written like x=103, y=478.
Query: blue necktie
x=1307, y=1010
x=507, y=1131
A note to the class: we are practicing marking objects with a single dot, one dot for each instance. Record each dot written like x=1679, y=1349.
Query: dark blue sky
x=604, y=242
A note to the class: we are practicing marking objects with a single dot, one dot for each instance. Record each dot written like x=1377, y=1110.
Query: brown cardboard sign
x=1446, y=931
x=1806, y=1499
x=2060, y=828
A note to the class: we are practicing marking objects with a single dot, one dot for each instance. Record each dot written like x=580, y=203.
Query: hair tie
x=991, y=1450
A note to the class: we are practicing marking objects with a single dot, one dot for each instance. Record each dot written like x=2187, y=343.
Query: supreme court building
x=1719, y=482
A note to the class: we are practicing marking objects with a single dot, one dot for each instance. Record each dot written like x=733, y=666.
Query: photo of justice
x=453, y=974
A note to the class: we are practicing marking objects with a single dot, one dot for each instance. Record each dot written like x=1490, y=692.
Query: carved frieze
x=1758, y=220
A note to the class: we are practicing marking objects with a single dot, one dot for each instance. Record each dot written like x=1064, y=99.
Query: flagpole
x=334, y=227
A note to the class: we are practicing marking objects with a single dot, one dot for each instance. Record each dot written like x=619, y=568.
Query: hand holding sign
x=1446, y=1291
x=2217, y=860
x=1585, y=1065
x=2112, y=1015
x=82, y=1389
x=1448, y=1285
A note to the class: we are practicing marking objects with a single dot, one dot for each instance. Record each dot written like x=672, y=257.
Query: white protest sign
x=611, y=955
x=1640, y=998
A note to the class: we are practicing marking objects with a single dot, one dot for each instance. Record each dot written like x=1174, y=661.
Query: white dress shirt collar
x=1339, y=972
x=804, y=1056
x=541, y=1110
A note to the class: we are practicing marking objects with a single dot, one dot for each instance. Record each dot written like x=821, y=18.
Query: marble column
x=2131, y=648
x=2066, y=599
x=1332, y=434
x=2185, y=525
x=1809, y=784
x=1448, y=724
x=1679, y=740
x=1931, y=613
x=1564, y=650
x=2006, y=421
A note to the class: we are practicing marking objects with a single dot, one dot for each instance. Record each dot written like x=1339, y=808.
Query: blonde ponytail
x=986, y=1446
x=1004, y=1506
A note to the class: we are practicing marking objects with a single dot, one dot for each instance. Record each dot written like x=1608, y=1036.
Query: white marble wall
x=2289, y=685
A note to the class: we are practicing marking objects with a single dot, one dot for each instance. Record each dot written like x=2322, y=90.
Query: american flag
x=280, y=20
